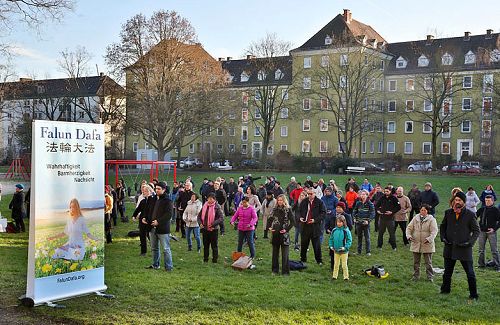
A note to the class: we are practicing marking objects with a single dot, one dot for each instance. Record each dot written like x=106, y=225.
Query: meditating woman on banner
x=279, y=224
x=76, y=226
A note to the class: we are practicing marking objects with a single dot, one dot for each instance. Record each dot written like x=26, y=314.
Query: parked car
x=497, y=169
x=422, y=165
x=462, y=168
x=391, y=165
x=221, y=165
x=191, y=163
x=254, y=163
x=371, y=167
x=474, y=164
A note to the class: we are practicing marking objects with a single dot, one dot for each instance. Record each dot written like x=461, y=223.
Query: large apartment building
x=347, y=91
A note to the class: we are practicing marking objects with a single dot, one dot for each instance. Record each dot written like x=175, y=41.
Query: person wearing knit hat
x=20, y=186
x=428, y=196
x=459, y=231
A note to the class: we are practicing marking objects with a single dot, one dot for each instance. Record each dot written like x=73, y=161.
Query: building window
x=342, y=125
x=135, y=132
x=488, y=83
x=306, y=104
x=391, y=106
x=342, y=147
x=466, y=104
x=244, y=76
x=257, y=94
x=391, y=127
x=445, y=148
x=446, y=110
x=380, y=147
x=270, y=150
x=135, y=146
x=278, y=75
x=306, y=125
x=284, y=147
x=344, y=60
x=447, y=59
x=231, y=115
x=470, y=58
x=328, y=40
x=467, y=82
x=307, y=83
x=381, y=84
x=427, y=105
x=306, y=146
x=325, y=61
x=244, y=133
x=486, y=129
x=382, y=65
x=423, y=61
x=284, y=131
x=191, y=148
x=256, y=131
x=391, y=147
x=343, y=103
x=393, y=85
x=446, y=130
x=261, y=75
x=323, y=125
x=363, y=146
x=324, y=103
x=428, y=84
x=466, y=126
x=401, y=63
x=244, y=98
x=410, y=84
x=220, y=132
x=307, y=62
x=485, y=148
x=244, y=149
x=323, y=146
x=487, y=106
x=232, y=132
x=426, y=148
x=257, y=114
x=232, y=147
x=146, y=146
x=409, y=105
x=427, y=127
x=343, y=82
x=408, y=148
x=244, y=114
x=408, y=126
x=284, y=113
x=324, y=82
x=372, y=147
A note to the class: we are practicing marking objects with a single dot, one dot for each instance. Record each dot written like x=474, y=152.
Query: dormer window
x=244, y=76
x=423, y=61
x=495, y=56
x=278, y=75
x=447, y=59
x=401, y=63
x=261, y=75
x=470, y=58
x=328, y=40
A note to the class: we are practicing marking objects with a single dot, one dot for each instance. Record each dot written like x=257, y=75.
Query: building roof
x=251, y=67
x=54, y=88
x=342, y=28
x=480, y=45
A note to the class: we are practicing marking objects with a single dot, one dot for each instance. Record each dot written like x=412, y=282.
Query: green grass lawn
x=197, y=293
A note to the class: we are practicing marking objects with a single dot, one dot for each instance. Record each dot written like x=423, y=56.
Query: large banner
x=66, y=242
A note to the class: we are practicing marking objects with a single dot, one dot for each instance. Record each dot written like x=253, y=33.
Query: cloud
x=20, y=50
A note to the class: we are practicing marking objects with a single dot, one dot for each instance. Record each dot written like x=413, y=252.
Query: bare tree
x=75, y=63
x=270, y=62
x=166, y=71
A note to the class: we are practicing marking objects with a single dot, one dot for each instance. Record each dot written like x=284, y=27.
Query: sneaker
x=297, y=249
x=473, y=298
x=320, y=264
x=168, y=270
x=333, y=279
x=152, y=267
x=346, y=279
x=199, y=250
x=431, y=280
x=394, y=249
x=142, y=254
x=368, y=254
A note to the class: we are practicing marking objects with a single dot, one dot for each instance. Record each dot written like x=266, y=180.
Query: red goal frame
x=153, y=171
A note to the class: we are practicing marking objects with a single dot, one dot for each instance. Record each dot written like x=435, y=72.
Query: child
x=76, y=226
x=340, y=242
x=421, y=232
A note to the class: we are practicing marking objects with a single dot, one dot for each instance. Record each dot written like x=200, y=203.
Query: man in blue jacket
x=330, y=202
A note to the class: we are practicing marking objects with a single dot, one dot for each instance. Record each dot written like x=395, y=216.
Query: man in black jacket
x=459, y=231
x=428, y=196
x=232, y=188
x=182, y=201
x=160, y=232
x=17, y=207
x=489, y=222
x=221, y=198
x=143, y=212
x=312, y=213
x=386, y=207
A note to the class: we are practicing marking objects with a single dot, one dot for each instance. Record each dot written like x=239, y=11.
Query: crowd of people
x=316, y=209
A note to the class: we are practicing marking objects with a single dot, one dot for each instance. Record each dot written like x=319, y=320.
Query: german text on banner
x=66, y=242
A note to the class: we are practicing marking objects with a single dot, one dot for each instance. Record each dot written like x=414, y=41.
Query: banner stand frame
x=28, y=302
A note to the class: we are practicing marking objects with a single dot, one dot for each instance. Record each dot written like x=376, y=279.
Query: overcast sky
x=225, y=28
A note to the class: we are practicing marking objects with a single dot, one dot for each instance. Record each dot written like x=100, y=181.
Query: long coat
x=280, y=218
x=17, y=206
x=459, y=235
x=421, y=230
x=318, y=214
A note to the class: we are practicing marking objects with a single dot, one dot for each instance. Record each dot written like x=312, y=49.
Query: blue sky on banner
x=225, y=28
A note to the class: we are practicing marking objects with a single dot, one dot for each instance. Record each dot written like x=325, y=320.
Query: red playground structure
x=153, y=166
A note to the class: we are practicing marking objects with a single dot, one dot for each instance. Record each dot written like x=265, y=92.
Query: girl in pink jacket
x=246, y=217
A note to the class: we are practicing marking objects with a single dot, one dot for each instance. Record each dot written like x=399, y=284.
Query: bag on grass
x=242, y=263
x=11, y=228
x=377, y=271
x=133, y=233
x=296, y=265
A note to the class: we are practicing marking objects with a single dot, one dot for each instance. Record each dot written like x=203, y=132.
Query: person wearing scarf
x=459, y=231
x=279, y=224
x=209, y=219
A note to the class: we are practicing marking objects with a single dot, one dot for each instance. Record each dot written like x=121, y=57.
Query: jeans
x=210, y=239
x=386, y=223
x=162, y=240
x=402, y=225
x=247, y=236
x=449, y=266
x=363, y=230
x=285, y=250
x=196, y=231
x=492, y=238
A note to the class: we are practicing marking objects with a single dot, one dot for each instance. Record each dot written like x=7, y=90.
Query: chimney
x=221, y=59
x=101, y=74
x=347, y=16
x=488, y=33
x=467, y=36
x=25, y=79
x=229, y=58
x=429, y=39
